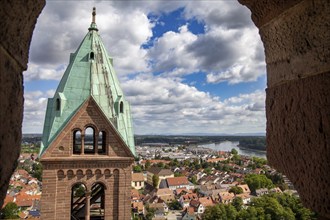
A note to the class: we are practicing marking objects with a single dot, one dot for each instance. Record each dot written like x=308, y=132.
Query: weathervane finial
x=94, y=13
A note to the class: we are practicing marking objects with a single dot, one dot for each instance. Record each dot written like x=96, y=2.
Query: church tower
x=87, y=146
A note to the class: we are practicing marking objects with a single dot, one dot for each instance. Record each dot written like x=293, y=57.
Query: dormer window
x=121, y=107
x=58, y=104
x=91, y=56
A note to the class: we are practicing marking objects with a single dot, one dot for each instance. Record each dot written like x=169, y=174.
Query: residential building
x=160, y=172
x=161, y=209
x=138, y=208
x=184, y=200
x=261, y=192
x=179, y=182
x=245, y=188
x=166, y=195
x=226, y=197
x=137, y=180
x=189, y=214
x=198, y=207
x=245, y=197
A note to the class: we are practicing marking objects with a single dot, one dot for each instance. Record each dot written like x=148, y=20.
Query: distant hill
x=256, y=143
x=191, y=139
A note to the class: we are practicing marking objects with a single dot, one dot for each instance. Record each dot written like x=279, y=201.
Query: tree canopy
x=273, y=206
x=155, y=180
x=10, y=211
x=236, y=190
x=256, y=181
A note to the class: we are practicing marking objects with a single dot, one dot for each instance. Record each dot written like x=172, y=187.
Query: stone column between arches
x=296, y=37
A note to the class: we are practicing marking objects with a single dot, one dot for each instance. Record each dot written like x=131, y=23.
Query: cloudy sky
x=185, y=66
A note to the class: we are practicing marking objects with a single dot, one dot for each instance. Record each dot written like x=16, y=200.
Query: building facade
x=87, y=148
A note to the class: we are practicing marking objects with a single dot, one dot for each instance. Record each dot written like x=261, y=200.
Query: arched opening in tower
x=78, y=201
x=89, y=140
x=101, y=143
x=76, y=142
x=97, y=201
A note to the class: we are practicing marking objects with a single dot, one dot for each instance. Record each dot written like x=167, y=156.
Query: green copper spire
x=90, y=73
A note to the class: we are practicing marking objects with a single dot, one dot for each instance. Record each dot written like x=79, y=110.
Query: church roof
x=90, y=72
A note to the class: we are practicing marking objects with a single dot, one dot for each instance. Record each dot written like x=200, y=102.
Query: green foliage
x=10, y=211
x=238, y=203
x=150, y=213
x=220, y=211
x=155, y=180
x=174, y=205
x=258, y=143
x=36, y=171
x=136, y=158
x=137, y=169
x=147, y=165
x=256, y=181
x=174, y=163
x=208, y=170
x=234, y=151
x=236, y=190
x=78, y=190
x=160, y=164
x=205, y=165
x=259, y=162
x=274, y=206
x=177, y=174
x=30, y=148
x=193, y=180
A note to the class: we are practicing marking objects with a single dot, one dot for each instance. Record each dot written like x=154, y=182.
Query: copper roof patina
x=90, y=72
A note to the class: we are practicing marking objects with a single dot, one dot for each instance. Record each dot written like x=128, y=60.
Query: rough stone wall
x=296, y=37
x=18, y=19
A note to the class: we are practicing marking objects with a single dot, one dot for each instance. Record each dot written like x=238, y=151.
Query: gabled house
x=198, y=207
x=160, y=172
x=135, y=196
x=137, y=180
x=184, y=200
x=245, y=188
x=179, y=182
x=261, y=192
x=161, y=209
x=226, y=197
x=245, y=197
x=206, y=201
x=137, y=208
x=189, y=214
x=165, y=194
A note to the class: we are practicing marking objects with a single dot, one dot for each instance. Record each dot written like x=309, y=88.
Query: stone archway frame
x=296, y=37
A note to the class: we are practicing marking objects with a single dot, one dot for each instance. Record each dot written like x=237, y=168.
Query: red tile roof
x=136, y=177
x=177, y=181
x=24, y=200
x=206, y=201
x=189, y=197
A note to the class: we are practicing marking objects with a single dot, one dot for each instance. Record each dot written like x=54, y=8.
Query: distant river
x=228, y=145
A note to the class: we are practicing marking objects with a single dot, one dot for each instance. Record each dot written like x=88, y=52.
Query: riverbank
x=229, y=145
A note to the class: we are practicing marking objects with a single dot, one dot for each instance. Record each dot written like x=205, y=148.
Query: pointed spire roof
x=90, y=72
